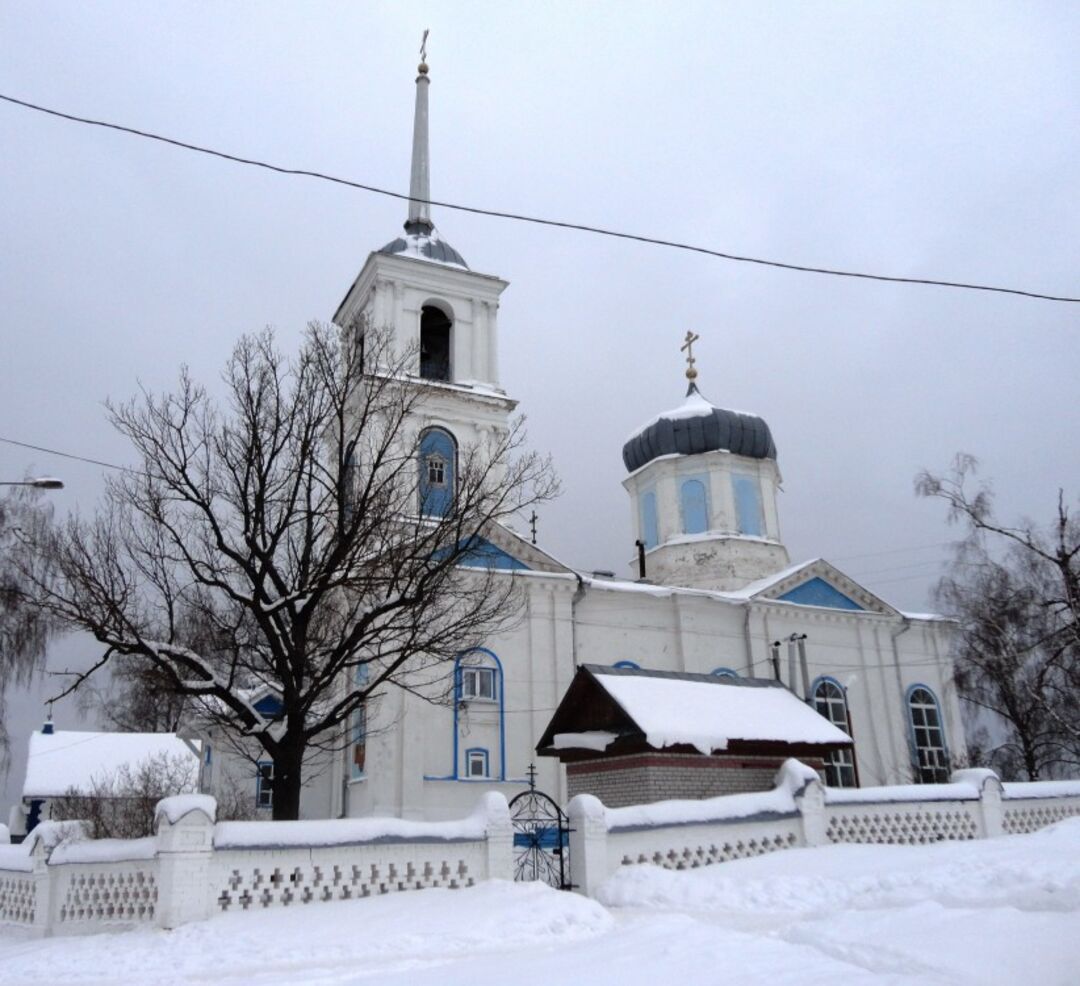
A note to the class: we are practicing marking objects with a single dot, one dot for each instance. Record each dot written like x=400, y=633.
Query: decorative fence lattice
x=901, y=824
x=258, y=880
x=116, y=894
x=18, y=897
x=708, y=852
x=1021, y=818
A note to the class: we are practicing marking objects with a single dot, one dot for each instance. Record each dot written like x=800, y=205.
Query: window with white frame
x=831, y=702
x=264, y=784
x=478, y=683
x=928, y=738
x=476, y=763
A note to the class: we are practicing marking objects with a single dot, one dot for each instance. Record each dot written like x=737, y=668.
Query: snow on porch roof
x=61, y=761
x=709, y=713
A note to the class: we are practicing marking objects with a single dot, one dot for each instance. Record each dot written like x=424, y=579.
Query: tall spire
x=420, y=180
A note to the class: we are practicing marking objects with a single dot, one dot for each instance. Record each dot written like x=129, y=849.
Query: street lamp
x=40, y=482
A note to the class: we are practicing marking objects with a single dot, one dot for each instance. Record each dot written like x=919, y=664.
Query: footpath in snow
x=987, y=913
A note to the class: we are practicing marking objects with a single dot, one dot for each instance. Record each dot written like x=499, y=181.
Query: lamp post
x=40, y=482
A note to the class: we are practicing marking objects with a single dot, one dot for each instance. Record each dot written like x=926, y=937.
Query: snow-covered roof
x=63, y=761
x=706, y=712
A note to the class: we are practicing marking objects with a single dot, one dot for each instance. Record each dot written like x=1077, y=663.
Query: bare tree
x=283, y=538
x=121, y=804
x=1016, y=594
x=24, y=629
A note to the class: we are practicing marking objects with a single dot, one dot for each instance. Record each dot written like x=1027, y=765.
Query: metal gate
x=541, y=837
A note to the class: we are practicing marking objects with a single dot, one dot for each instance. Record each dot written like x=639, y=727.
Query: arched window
x=479, y=717
x=930, y=757
x=724, y=673
x=831, y=702
x=435, y=331
x=627, y=665
x=438, y=472
x=649, y=530
x=695, y=511
x=748, y=516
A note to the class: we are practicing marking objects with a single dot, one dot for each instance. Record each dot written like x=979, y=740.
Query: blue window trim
x=437, y=440
x=702, y=481
x=831, y=680
x=455, y=773
x=746, y=491
x=912, y=748
x=486, y=776
x=259, y=784
x=627, y=665
x=724, y=673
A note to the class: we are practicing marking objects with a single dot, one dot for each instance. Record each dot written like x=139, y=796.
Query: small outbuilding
x=86, y=764
x=634, y=736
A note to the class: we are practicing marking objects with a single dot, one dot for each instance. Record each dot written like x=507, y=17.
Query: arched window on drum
x=438, y=472
x=830, y=701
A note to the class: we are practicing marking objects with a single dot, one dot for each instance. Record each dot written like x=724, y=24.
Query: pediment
x=505, y=550
x=820, y=584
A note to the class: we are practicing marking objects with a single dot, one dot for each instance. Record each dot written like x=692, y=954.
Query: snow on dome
x=424, y=243
x=697, y=426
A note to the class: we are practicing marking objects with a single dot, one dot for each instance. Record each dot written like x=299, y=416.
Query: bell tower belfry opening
x=444, y=315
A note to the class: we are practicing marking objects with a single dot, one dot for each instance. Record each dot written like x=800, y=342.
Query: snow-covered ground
x=1003, y=911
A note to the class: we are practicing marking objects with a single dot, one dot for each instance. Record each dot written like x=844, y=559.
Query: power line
x=519, y=217
x=68, y=455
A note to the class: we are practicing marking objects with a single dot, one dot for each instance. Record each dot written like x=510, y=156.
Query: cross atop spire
x=688, y=348
x=420, y=180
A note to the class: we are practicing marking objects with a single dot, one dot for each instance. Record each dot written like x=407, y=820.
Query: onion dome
x=697, y=426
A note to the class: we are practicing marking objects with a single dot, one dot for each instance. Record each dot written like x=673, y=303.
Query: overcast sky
x=924, y=140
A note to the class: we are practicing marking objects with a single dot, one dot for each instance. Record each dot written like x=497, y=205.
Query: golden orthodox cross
x=688, y=348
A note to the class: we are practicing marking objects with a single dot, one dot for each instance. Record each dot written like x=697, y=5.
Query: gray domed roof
x=422, y=240
x=697, y=426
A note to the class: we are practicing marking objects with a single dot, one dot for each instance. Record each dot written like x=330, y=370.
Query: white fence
x=60, y=883
x=800, y=811
x=193, y=868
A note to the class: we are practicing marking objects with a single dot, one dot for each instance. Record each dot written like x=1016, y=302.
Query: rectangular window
x=476, y=763
x=264, y=784
x=478, y=683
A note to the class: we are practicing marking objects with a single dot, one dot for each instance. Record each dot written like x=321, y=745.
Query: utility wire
x=518, y=217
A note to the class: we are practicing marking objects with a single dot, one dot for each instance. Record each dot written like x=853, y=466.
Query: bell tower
x=420, y=290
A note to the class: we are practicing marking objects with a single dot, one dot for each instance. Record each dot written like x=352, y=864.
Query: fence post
x=43, y=881
x=499, y=837
x=185, y=848
x=809, y=798
x=588, y=844
x=991, y=812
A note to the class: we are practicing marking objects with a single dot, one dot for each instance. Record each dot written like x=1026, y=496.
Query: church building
x=715, y=592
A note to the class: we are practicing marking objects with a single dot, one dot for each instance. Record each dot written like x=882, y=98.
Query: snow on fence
x=60, y=883
x=800, y=811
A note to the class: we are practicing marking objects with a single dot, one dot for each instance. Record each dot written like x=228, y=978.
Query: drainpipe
x=775, y=647
x=749, y=643
x=905, y=625
x=791, y=660
x=640, y=559
x=801, y=644
x=579, y=594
